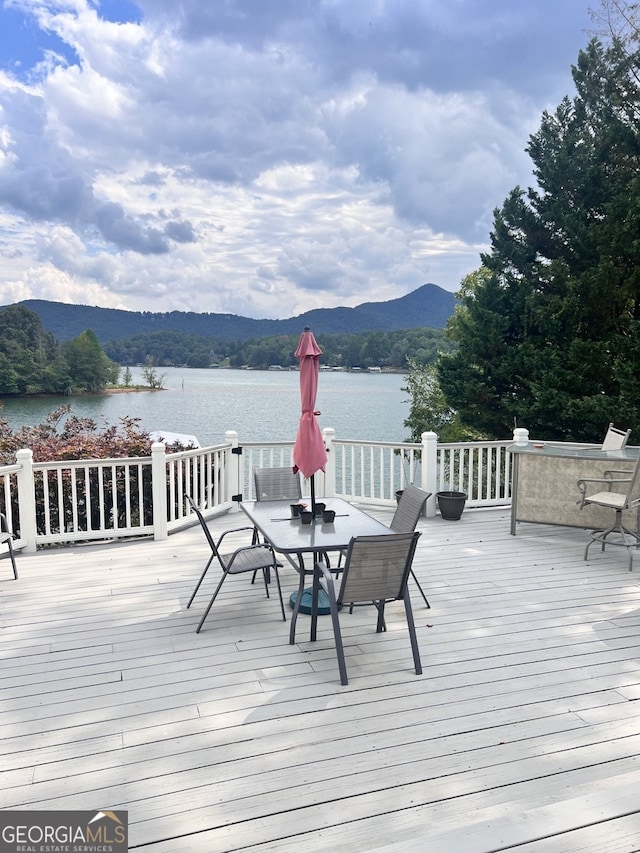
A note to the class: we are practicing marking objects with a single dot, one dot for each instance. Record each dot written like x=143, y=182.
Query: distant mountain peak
x=428, y=306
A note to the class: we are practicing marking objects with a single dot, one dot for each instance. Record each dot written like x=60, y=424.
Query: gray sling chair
x=405, y=518
x=277, y=484
x=622, y=493
x=249, y=558
x=6, y=538
x=375, y=572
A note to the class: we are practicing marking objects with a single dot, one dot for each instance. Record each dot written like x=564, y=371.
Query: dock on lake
x=522, y=734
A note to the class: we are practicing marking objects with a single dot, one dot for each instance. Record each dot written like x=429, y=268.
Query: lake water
x=259, y=405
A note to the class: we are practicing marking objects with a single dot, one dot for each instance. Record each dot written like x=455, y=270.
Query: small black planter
x=399, y=495
x=451, y=504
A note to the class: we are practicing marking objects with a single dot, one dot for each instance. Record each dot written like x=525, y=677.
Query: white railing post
x=430, y=470
x=235, y=473
x=159, y=490
x=328, y=436
x=27, y=499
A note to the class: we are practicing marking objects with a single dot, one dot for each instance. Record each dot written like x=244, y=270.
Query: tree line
x=373, y=349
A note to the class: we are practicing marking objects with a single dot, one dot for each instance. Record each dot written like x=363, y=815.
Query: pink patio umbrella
x=309, y=452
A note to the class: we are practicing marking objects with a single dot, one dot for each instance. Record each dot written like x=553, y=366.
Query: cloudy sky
x=265, y=157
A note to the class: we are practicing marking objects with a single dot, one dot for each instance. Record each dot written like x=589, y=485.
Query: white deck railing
x=70, y=501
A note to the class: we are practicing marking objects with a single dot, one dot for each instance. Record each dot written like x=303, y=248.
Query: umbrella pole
x=313, y=494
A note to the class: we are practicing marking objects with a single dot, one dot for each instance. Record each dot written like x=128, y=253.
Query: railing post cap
x=521, y=435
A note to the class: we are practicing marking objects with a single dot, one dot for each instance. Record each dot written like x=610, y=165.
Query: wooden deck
x=522, y=734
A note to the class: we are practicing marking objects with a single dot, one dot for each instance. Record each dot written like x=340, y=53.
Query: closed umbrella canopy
x=309, y=453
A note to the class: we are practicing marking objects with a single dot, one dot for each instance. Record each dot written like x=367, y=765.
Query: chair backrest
x=377, y=567
x=410, y=505
x=615, y=439
x=203, y=524
x=276, y=484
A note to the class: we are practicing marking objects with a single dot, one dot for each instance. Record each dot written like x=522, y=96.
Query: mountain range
x=429, y=306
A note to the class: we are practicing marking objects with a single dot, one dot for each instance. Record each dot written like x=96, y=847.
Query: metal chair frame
x=249, y=558
x=625, y=496
x=405, y=518
x=376, y=572
x=6, y=538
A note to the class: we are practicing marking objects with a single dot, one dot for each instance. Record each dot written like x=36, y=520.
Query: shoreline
x=62, y=397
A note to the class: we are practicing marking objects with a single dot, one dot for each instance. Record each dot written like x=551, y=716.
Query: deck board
x=524, y=729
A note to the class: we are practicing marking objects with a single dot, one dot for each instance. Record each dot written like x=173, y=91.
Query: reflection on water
x=259, y=405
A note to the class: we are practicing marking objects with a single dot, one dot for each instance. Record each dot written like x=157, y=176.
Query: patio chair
x=375, y=572
x=406, y=517
x=622, y=493
x=248, y=558
x=277, y=484
x=404, y=520
x=615, y=439
x=6, y=538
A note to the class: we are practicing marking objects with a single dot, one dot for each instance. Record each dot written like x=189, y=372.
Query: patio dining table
x=295, y=540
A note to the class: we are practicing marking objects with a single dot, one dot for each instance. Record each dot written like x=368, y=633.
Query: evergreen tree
x=89, y=367
x=548, y=329
x=30, y=358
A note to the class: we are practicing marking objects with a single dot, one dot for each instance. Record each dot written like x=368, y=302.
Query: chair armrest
x=606, y=480
x=327, y=580
x=233, y=530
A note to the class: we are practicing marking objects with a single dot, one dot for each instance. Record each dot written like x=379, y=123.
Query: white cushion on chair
x=611, y=499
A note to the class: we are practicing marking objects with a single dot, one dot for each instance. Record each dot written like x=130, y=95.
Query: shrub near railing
x=92, y=499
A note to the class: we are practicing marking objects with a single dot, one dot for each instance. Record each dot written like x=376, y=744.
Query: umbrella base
x=305, y=604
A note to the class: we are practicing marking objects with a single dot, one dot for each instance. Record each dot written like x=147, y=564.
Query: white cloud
x=266, y=158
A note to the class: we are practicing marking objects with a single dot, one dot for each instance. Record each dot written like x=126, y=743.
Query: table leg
x=296, y=608
x=314, y=605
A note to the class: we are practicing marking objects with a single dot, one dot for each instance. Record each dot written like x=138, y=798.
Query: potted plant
x=451, y=504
